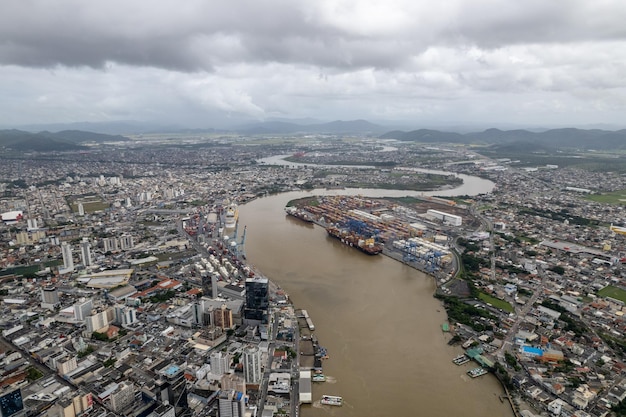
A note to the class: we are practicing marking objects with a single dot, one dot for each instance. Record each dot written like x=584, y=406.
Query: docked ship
x=299, y=214
x=365, y=245
x=231, y=216
x=331, y=400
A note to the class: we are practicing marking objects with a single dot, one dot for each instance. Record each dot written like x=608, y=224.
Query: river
x=377, y=318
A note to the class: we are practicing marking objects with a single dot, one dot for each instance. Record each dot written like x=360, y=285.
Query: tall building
x=67, y=366
x=125, y=315
x=220, y=362
x=252, y=370
x=96, y=322
x=85, y=252
x=126, y=242
x=49, y=297
x=110, y=244
x=81, y=209
x=231, y=404
x=173, y=389
x=223, y=317
x=257, y=300
x=122, y=397
x=68, y=261
x=82, y=309
x=11, y=403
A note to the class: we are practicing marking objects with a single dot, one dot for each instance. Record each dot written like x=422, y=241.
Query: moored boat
x=331, y=400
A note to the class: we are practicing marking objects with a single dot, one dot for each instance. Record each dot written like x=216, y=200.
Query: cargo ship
x=299, y=214
x=331, y=400
x=231, y=216
x=368, y=246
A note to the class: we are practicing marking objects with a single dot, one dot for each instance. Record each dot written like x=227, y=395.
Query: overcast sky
x=211, y=62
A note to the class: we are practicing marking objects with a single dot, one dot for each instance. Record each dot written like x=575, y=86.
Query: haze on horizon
x=217, y=63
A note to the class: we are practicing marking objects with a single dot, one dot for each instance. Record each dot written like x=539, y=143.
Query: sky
x=213, y=63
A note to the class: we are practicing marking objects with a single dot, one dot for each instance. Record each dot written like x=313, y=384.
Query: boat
x=318, y=378
x=232, y=214
x=299, y=214
x=476, y=372
x=331, y=400
x=365, y=245
x=461, y=359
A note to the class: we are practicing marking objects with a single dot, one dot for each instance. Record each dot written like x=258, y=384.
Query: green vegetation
x=557, y=269
x=109, y=362
x=614, y=197
x=85, y=352
x=33, y=374
x=26, y=271
x=620, y=409
x=613, y=292
x=163, y=296
x=464, y=313
x=496, y=302
x=512, y=361
x=100, y=336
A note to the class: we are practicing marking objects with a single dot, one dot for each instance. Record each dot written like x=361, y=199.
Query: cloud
x=72, y=59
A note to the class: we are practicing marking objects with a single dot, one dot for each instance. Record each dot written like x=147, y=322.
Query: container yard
x=376, y=226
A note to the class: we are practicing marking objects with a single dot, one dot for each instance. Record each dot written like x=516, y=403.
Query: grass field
x=496, y=302
x=90, y=206
x=613, y=292
x=615, y=197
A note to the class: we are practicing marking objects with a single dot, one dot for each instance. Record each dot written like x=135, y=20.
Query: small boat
x=331, y=400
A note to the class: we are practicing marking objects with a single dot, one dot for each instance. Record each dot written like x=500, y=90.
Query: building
x=49, y=297
x=257, y=300
x=125, y=316
x=83, y=309
x=122, y=397
x=11, y=403
x=68, y=261
x=110, y=244
x=126, y=242
x=96, y=322
x=233, y=382
x=85, y=252
x=252, y=370
x=67, y=366
x=231, y=404
x=220, y=362
x=446, y=218
x=223, y=317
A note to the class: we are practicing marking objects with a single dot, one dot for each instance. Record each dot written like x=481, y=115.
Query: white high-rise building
x=68, y=261
x=85, y=252
x=110, y=244
x=126, y=242
x=252, y=365
x=83, y=309
x=220, y=363
x=96, y=322
x=81, y=209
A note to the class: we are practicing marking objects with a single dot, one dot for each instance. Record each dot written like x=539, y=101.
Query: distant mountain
x=335, y=127
x=520, y=139
x=69, y=140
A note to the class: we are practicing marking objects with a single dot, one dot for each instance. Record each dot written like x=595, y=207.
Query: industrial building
x=446, y=218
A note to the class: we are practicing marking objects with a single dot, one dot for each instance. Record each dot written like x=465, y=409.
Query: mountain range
x=517, y=140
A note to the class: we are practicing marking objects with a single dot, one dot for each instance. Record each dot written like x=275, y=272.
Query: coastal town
x=125, y=287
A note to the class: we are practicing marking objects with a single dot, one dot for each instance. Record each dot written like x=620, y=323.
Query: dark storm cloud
x=198, y=35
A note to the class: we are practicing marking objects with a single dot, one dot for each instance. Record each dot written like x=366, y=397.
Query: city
x=126, y=290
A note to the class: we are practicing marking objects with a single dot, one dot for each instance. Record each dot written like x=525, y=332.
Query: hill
x=69, y=140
